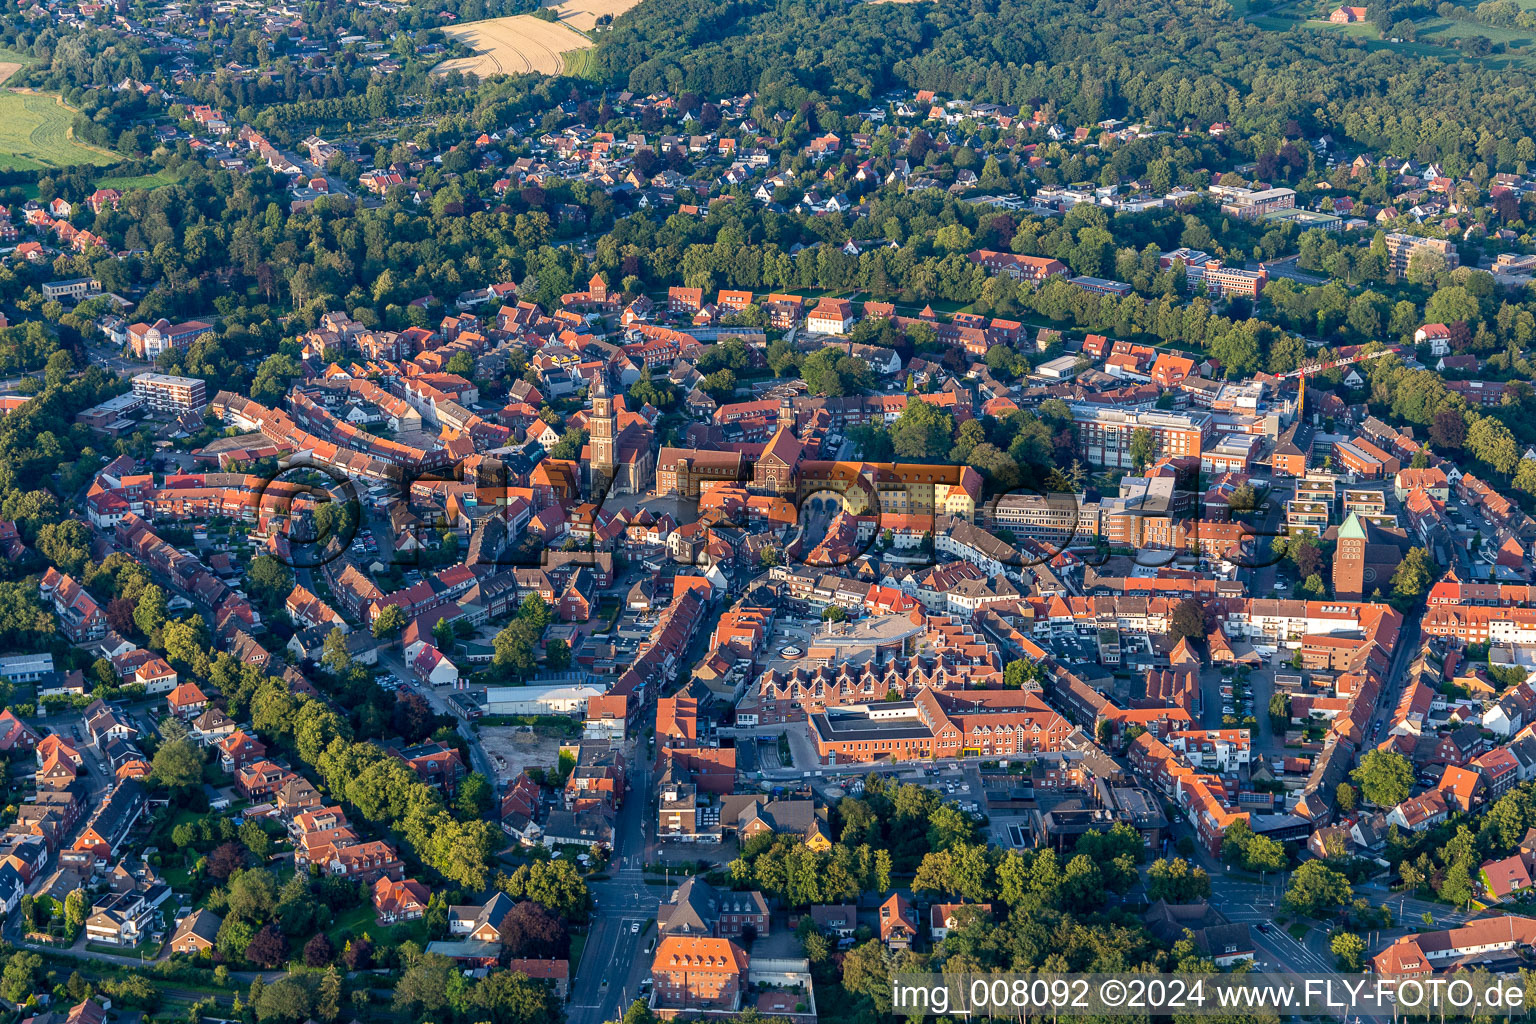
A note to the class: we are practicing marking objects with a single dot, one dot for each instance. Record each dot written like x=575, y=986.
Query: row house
x=103, y=837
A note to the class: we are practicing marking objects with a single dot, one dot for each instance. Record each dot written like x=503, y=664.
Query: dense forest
x=1167, y=61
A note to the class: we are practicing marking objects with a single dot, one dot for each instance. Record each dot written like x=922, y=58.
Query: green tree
x=1187, y=620
x=1456, y=887
x=514, y=648
x=1317, y=890
x=1492, y=442
x=1177, y=881
x=474, y=796
x=18, y=980
x=390, y=622
x=555, y=884
x=77, y=907
x=287, y=1000
x=66, y=544
x=1264, y=854
x=177, y=765
x=1385, y=777
x=1414, y=574
x=335, y=655
x=256, y=839
x=720, y=385
x=1280, y=709
x=535, y=611
x=1143, y=448
x=1018, y=672
x=832, y=373
x=1349, y=949
x=922, y=431
x=270, y=579
x=638, y=1013
x=149, y=613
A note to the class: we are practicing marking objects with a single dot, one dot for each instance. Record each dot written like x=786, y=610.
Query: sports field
x=518, y=45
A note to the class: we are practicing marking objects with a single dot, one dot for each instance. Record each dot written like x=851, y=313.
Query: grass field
x=144, y=181
x=1444, y=28
x=518, y=45
x=34, y=134
x=1436, y=36
x=580, y=63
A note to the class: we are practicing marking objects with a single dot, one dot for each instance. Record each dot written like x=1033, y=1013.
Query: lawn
x=34, y=134
x=144, y=181
x=362, y=920
x=1298, y=930
x=148, y=950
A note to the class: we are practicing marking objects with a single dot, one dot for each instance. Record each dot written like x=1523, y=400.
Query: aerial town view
x=625, y=511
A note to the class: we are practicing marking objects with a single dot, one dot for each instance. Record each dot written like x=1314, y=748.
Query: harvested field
x=583, y=14
x=519, y=45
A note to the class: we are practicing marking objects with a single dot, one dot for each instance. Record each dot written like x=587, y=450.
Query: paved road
x=312, y=170
x=614, y=960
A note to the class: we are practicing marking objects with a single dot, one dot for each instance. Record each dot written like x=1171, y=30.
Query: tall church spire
x=600, y=435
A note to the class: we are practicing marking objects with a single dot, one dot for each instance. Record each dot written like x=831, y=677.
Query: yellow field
x=521, y=44
x=583, y=14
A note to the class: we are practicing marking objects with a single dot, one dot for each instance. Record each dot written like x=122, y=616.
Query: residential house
x=898, y=922
x=403, y=900
x=197, y=932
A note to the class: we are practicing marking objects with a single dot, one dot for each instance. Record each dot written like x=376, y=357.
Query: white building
x=554, y=699
x=26, y=668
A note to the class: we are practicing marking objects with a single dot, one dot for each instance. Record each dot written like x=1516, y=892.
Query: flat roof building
x=164, y=392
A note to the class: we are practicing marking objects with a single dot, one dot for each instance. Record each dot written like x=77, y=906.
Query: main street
x=614, y=962
x=1242, y=899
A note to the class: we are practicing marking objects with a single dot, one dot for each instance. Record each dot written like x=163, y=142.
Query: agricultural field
x=34, y=127
x=521, y=44
x=582, y=15
x=35, y=134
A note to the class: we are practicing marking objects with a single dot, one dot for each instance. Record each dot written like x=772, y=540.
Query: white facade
x=558, y=699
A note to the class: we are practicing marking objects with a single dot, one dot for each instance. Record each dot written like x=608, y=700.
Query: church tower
x=600, y=436
x=786, y=414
